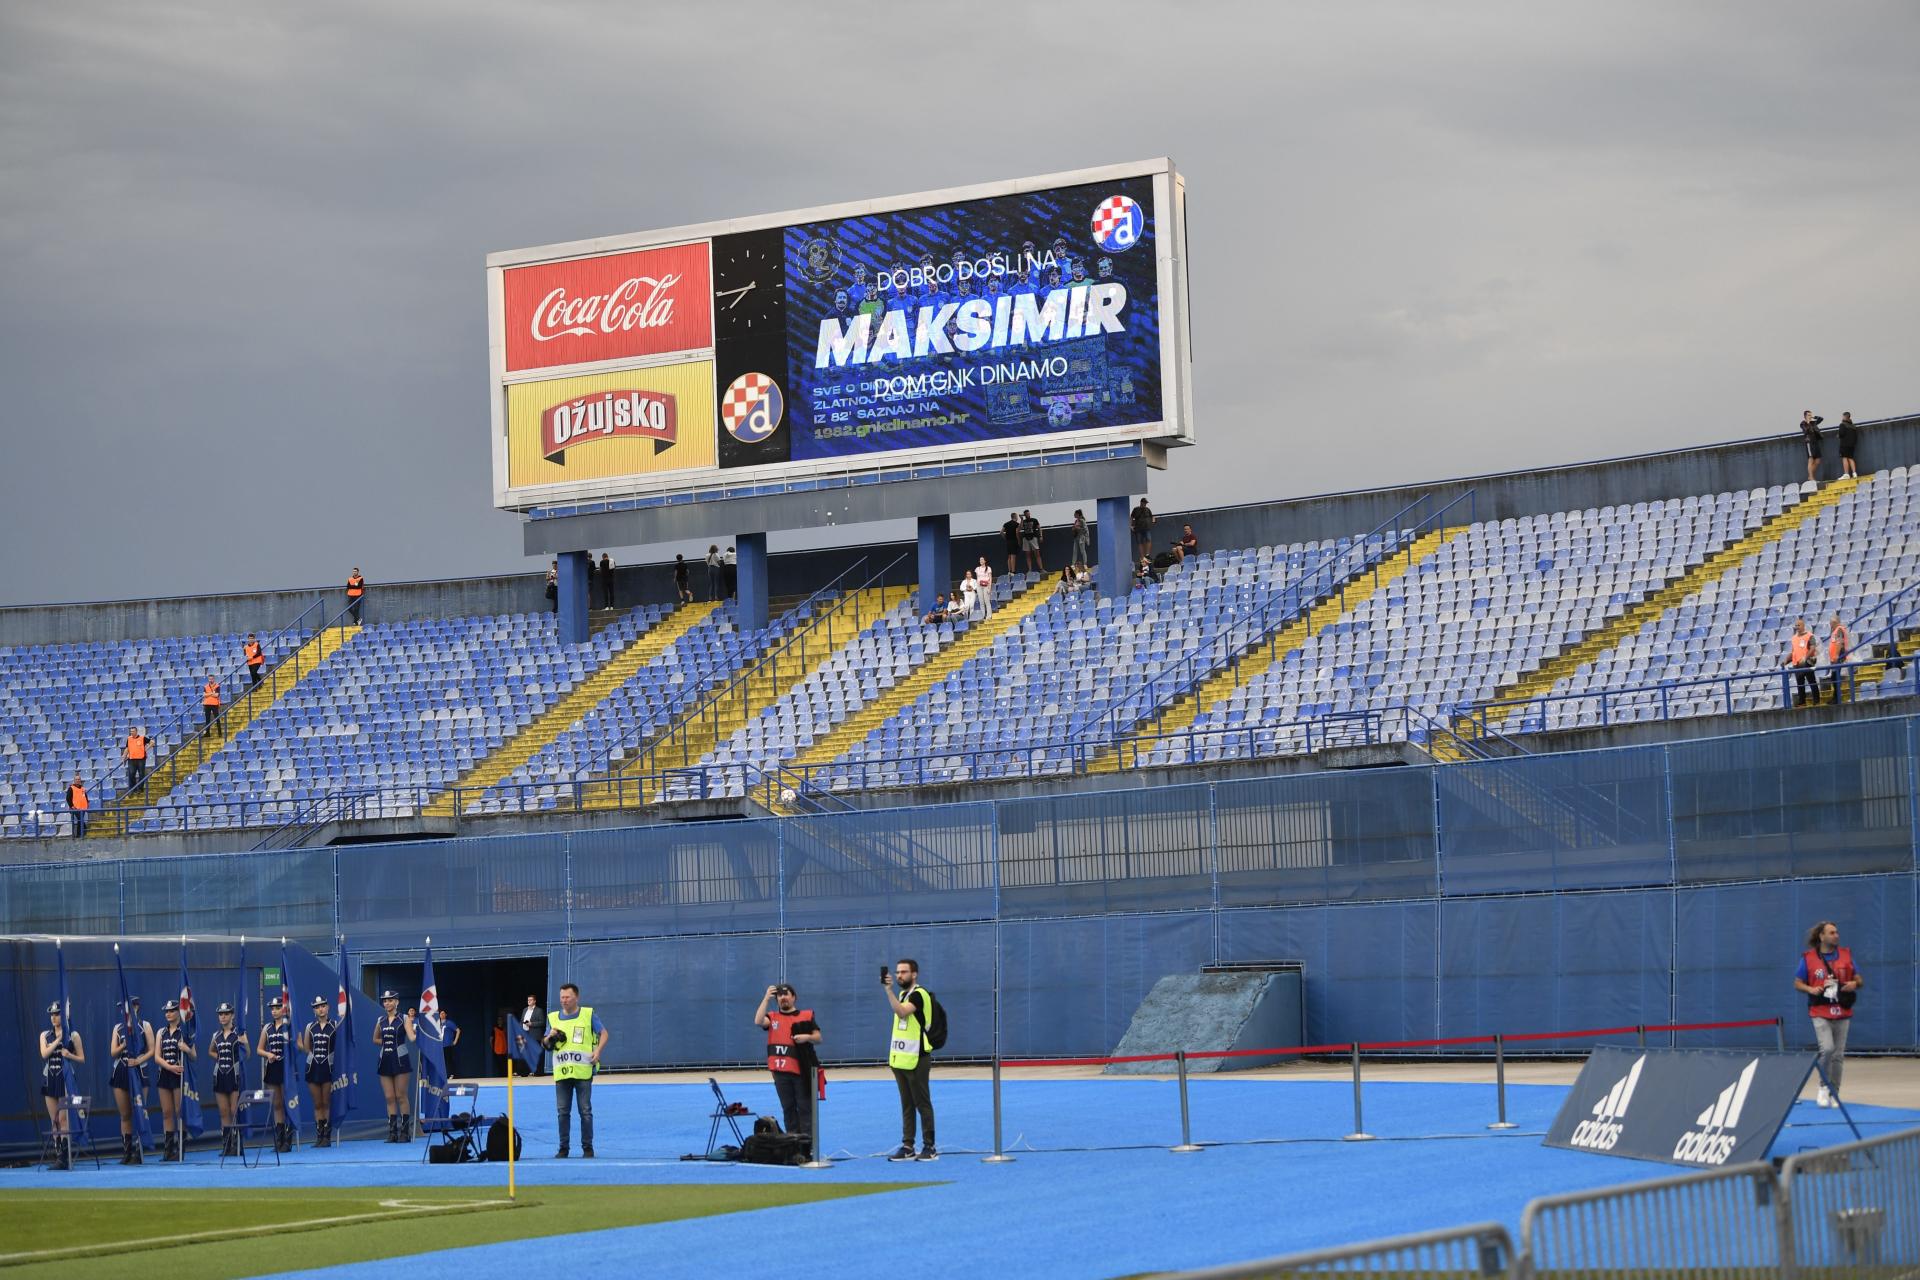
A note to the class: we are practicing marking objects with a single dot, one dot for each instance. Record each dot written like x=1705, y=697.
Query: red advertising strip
x=614, y=307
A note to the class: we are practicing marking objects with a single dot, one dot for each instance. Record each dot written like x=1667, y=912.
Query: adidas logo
x=1601, y=1132
x=1711, y=1142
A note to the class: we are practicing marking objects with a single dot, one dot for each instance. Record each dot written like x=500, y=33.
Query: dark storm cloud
x=242, y=336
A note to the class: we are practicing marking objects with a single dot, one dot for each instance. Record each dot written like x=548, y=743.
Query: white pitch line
x=396, y=1209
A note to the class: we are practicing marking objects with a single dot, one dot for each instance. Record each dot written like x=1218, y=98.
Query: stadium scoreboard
x=996, y=320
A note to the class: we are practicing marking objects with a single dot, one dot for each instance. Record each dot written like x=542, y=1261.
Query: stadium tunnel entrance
x=475, y=993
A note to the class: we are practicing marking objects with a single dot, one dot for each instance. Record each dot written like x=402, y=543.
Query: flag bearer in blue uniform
x=317, y=1043
x=131, y=1049
x=275, y=1039
x=58, y=1047
x=173, y=1049
x=227, y=1047
x=393, y=1033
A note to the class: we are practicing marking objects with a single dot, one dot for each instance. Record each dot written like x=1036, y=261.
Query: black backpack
x=776, y=1148
x=936, y=1023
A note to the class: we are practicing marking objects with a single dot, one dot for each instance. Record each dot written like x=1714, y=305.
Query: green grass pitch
x=216, y=1234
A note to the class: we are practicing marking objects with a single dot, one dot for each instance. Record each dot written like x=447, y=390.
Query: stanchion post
x=999, y=1156
x=1187, y=1144
x=513, y=1131
x=1780, y=1034
x=1359, y=1133
x=813, y=1131
x=1500, y=1084
x=1641, y=1031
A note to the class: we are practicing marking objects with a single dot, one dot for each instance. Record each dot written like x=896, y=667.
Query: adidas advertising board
x=1701, y=1108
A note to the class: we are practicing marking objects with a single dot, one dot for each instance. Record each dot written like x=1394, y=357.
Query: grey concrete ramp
x=1196, y=1011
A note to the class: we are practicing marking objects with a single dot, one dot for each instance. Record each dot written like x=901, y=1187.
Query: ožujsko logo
x=646, y=415
x=1712, y=1142
x=752, y=407
x=1117, y=224
x=1603, y=1131
x=639, y=302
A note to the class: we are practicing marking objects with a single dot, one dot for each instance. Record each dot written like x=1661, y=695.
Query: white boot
x=1823, y=1099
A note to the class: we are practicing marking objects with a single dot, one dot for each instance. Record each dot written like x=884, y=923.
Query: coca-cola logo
x=619, y=306
x=642, y=302
x=610, y=415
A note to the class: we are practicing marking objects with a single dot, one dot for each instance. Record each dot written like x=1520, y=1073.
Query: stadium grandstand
x=1324, y=819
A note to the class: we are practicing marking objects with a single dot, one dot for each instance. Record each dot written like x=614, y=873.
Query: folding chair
x=253, y=1108
x=459, y=1128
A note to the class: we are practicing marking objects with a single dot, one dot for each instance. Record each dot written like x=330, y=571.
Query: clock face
x=750, y=287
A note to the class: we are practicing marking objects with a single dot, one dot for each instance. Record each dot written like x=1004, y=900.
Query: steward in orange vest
x=356, y=588
x=210, y=700
x=138, y=744
x=1801, y=656
x=77, y=802
x=256, y=658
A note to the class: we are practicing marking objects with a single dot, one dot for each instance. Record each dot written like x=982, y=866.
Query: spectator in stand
x=256, y=659
x=77, y=804
x=1142, y=521
x=731, y=569
x=1030, y=542
x=139, y=747
x=1839, y=649
x=593, y=578
x=969, y=596
x=1082, y=576
x=1082, y=548
x=1010, y=533
x=606, y=580
x=714, y=581
x=1143, y=573
x=209, y=702
x=553, y=587
x=682, y=592
x=1810, y=435
x=939, y=611
x=1188, y=546
x=983, y=575
x=1849, y=436
x=356, y=593
x=1801, y=656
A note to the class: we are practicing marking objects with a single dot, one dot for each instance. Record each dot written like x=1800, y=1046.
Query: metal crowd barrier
x=1484, y=1250
x=1848, y=1212
x=1716, y=1225
x=1854, y=1209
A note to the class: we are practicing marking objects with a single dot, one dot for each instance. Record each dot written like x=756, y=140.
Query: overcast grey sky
x=242, y=294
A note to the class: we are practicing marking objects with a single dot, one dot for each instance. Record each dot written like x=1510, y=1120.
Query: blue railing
x=1329, y=577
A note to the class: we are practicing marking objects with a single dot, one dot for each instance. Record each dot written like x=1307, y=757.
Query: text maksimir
x=1012, y=320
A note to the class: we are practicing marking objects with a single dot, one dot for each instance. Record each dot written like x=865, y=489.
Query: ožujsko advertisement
x=1008, y=317
x=605, y=426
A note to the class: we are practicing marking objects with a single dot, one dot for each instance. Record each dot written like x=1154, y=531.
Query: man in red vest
x=792, y=1034
x=1831, y=984
x=210, y=700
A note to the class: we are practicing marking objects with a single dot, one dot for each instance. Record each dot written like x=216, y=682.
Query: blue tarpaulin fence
x=1639, y=884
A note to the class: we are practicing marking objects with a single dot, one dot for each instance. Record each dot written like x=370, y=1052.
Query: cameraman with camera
x=792, y=1034
x=1831, y=984
x=570, y=1030
x=910, y=1054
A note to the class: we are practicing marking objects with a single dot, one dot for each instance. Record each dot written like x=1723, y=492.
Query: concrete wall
x=1746, y=464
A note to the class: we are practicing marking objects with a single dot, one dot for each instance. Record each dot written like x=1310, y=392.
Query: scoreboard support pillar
x=573, y=602
x=750, y=605
x=1114, y=547
x=936, y=558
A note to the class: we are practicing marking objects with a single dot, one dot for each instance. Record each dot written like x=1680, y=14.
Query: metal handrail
x=709, y=709
x=1392, y=534
x=183, y=723
x=1484, y=714
x=604, y=766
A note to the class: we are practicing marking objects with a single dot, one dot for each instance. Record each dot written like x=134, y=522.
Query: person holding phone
x=911, y=1056
x=792, y=1033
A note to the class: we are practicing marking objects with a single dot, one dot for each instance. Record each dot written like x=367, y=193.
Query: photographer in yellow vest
x=576, y=1037
x=910, y=1054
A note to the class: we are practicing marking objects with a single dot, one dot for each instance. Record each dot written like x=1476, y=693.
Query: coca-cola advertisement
x=616, y=307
